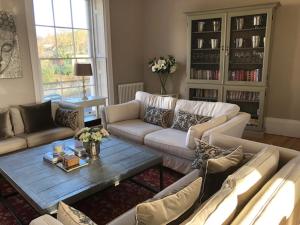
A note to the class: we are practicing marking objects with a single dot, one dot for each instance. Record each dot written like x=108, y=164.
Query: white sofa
x=21, y=140
x=265, y=195
x=126, y=121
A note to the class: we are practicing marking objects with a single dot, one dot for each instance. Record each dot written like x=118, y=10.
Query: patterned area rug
x=101, y=207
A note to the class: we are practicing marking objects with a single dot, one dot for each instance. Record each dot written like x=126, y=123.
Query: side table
x=90, y=102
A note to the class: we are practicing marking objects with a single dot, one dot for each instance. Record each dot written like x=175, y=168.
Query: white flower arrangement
x=163, y=67
x=91, y=134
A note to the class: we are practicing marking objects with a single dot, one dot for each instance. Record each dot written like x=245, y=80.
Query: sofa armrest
x=234, y=127
x=71, y=106
x=198, y=130
x=120, y=112
x=45, y=220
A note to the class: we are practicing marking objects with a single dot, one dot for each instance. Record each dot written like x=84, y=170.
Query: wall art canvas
x=10, y=65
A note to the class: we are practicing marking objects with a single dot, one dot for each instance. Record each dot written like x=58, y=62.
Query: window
x=65, y=34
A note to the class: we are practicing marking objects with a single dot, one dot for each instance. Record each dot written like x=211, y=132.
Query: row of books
x=245, y=75
x=205, y=93
x=242, y=96
x=205, y=74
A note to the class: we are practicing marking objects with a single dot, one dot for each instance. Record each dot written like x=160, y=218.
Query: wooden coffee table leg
x=161, y=177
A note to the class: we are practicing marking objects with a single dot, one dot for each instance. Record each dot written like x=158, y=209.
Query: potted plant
x=91, y=139
x=163, y=66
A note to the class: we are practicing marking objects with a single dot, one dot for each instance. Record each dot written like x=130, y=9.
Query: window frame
x=35, y=60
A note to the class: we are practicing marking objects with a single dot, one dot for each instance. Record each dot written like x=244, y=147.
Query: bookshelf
x=228, y=56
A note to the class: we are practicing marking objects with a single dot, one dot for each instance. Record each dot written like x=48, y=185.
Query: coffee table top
x=44, y=184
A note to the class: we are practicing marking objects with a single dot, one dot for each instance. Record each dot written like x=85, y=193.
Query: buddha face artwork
x=9, y=47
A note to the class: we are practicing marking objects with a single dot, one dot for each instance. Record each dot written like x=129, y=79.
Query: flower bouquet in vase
x=91, y=139
x=163, y=66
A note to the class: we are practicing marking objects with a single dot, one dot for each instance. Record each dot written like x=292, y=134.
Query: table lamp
x=83, y=70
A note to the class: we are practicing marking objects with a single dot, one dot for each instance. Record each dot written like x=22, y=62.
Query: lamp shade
x=83, y=69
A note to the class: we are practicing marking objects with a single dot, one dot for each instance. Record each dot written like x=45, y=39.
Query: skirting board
x=284, y=127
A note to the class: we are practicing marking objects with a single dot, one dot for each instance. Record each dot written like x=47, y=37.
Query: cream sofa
x=21, y=140
x=126, y=120
x=267, y=184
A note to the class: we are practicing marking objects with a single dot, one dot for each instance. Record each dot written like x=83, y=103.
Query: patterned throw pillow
x=70, y=216
x=184, y=120
x=158, y=116
x=205, y=152
x=67, y=118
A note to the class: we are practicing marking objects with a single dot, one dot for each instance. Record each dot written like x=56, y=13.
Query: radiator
x=126, y=92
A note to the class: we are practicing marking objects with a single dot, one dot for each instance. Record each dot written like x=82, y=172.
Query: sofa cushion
x=67, y=215
x=147, y=99
x=219, y=209
x=170, y=141
x=67, y=118
x=184, y=120
x=247, y=180
x=37, y=117
x=121, y=112
x=157, y=116
x=212, y=109
x=281, y=195
x=6, y=130
x=45, y=220
x=47, y=136
x=132, y=129
x=12, y=144
x=198, y=130
x=214, y=159
x=17, y=120
x=169, y=208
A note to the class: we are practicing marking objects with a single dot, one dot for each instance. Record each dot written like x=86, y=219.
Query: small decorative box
x=70, y=161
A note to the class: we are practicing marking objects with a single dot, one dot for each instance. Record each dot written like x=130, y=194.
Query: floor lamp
x=83, y=70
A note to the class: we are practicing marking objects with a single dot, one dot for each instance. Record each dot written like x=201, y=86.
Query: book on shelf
x=246, y=96
x=205, y=74
x=245, y=75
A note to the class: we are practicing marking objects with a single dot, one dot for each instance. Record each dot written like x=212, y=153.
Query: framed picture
x=10, y=65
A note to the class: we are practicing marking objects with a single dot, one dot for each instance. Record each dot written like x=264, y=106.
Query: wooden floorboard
x=282, y=141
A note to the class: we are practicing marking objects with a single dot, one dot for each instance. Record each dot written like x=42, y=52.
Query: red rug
x=101, y=207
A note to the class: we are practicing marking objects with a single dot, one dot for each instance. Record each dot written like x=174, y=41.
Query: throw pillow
x=67, y=118
x=219, y=159
x=168, y=209
x=184, y=120
x=158, y=116
x=5, y=125
x=212, y=182
x=37, y=117
x=67, y=215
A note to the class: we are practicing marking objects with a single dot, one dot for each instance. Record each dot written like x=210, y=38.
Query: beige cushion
x=212, y=109
x=47, y=136
x=147, y=99
x=248, y=179
x=198, y=130
x=170, y=141
x=278, y=201
x=17, y=120
x=70, y=216
x=45, y=220
x=218, y=210
x=132, y=129
x=221, y=164
x=169, y=208
x=8, y=128
x=126, y=111
x=12, y=144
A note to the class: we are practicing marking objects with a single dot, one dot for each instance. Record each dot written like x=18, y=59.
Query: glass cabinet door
x=247, y=37
x=206, y=42
x=205, y=92
x=250, y=100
